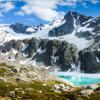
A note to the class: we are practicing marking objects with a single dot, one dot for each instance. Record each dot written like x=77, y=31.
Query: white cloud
x=68, y=2
x=75, y=2
x=46, y=9
x=27, y=9
x=6, y=7
x=43, y=9
x=20, y=13
x=46, y=14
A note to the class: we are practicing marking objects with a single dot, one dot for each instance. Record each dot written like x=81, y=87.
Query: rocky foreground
x=27, y=83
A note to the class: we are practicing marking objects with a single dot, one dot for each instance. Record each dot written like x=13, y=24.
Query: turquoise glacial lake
x=79, y=79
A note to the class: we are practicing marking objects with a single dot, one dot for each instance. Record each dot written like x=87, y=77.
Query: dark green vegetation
x=33, y=90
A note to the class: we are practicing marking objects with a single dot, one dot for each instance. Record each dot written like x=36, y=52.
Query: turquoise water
x=80, y=81
x=77, y=78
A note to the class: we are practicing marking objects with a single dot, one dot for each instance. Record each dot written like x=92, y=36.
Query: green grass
x=5, y=65
x=2, y=71
x=37, y=86
x=46, y=95
x=2, y=64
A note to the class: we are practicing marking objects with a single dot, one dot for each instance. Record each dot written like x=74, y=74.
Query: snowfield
x=7, y=34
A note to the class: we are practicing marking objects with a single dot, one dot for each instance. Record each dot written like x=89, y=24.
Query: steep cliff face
x=90, y=57
x=90, y=61
x=50, y=52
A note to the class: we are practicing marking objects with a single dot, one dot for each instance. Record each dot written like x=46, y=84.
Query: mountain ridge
x=66, y=42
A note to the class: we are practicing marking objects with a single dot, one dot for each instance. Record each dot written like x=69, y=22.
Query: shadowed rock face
x=22, y=29
x=90, y=57
x=90, y=61
x=19, y=28
x=50, y=52
x=57, y=53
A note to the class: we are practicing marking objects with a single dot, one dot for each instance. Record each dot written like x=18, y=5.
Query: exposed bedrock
x=50, y=52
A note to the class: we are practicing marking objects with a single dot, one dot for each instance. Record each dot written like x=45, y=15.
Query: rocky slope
x=70, y=43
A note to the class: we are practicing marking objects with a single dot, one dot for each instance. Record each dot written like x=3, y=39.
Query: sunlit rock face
x=80, y=25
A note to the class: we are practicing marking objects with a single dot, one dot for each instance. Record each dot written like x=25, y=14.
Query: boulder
x=16, y=70
x=29, y=89
x=11, y=94
x=87, y=92
x=61, y=87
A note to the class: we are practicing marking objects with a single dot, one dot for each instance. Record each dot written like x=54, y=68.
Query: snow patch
x=54, y=58
x=14, y=51
x=97, y=59
x=40, y=51
x=30, y=29
x=76, y=73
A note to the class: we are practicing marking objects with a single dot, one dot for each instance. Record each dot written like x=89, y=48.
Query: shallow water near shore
x=78, y=79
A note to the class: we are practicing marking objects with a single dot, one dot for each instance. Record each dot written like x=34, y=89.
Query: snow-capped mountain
x=69, y=42
x=74, y=28
x=20, y=31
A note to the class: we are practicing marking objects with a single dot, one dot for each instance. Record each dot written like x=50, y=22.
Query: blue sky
x=43, y=11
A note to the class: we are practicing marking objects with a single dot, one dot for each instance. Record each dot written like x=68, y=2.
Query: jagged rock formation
x=24, y=29
x=50, y=52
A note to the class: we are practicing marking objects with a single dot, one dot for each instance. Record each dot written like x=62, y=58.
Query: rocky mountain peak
x=81, y=25
x=77, y=16
x=19, y=28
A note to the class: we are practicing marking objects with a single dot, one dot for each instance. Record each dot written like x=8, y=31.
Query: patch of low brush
x=35, y=94
x=5, y=65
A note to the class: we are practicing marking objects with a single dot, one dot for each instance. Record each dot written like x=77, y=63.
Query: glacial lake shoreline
x=77, y=78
